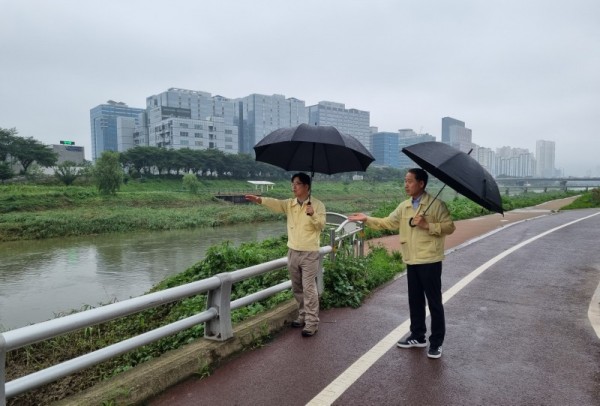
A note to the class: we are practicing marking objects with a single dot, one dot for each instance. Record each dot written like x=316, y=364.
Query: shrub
x=108, y=173
x=191, y=183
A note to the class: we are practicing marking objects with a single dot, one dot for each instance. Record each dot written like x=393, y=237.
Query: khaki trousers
x=303, y=267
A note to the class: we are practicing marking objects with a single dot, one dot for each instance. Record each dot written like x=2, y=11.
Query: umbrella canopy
x=308, y=148
x=458, y=170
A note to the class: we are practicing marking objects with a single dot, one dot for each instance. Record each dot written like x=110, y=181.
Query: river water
x=41, y=279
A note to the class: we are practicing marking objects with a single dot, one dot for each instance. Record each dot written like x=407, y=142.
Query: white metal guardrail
x=217, y=316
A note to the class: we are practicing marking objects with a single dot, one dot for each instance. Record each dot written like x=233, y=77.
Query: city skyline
x=515, y=72
x=186, y=118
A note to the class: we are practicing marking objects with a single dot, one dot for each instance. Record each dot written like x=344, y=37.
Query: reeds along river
x=40, y=279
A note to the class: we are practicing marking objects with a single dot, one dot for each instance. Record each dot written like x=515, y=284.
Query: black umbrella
x=308, y=148
x=458, y=170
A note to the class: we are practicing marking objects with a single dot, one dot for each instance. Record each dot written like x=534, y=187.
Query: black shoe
x=310, y=331
x=411, y=342
x=298, y=322
x=435, y=351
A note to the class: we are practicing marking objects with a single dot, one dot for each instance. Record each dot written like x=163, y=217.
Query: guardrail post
x=320, y=281
x=361, y=241
x=220, y=328
x=332, y=243
x=2, y=371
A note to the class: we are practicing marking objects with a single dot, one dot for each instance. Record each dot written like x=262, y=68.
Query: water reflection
x=39, y=279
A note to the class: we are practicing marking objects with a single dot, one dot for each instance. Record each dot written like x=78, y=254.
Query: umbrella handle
x=410, y=223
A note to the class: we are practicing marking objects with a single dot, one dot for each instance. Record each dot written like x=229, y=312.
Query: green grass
x=588, y=200
x=44, y=211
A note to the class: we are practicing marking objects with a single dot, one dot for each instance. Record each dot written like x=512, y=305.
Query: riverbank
x=36, y=212
x=30, y=212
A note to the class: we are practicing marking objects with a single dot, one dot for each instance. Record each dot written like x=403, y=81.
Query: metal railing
x=217, y=316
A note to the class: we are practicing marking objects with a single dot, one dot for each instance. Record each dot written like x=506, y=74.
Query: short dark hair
x=304, y=178
x=420, y=174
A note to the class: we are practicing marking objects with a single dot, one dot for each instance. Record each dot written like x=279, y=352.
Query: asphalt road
x=518, y=333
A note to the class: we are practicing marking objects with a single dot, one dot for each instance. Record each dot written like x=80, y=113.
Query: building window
x=228, y=139
x=200, y=143
x=228, y=132
x=198, y=126
x=183, y=125
x=184, y=142
x=198, y=135
x=183, y=134
x=228, y=146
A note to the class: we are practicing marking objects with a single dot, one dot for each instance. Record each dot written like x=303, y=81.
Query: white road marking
x=594, y=310
x=339, y=385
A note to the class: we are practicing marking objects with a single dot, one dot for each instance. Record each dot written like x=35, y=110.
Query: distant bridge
x=540, y=182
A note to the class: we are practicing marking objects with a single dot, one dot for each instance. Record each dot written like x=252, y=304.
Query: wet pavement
x=518, y=330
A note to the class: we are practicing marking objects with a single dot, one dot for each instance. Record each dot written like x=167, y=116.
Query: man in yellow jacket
x=305, y=221
x=423, y=222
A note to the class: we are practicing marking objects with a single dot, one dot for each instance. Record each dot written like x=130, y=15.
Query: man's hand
x=357, y=217
x=309, y=209
x=253, y=198
x=420, y=222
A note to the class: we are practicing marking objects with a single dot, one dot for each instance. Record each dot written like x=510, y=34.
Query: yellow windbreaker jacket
x=418, y=246
x=304, y=232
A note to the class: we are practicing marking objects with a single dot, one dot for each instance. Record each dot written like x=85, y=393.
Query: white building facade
x=352, y=122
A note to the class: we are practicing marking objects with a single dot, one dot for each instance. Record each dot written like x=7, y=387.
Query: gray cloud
x=514, y=71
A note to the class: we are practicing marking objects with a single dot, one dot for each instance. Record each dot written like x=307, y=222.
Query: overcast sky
x=515, y=71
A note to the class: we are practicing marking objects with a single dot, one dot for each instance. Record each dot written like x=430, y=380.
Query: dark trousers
x=425, y=281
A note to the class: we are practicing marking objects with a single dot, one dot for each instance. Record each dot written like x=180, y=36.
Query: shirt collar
x=416, y=201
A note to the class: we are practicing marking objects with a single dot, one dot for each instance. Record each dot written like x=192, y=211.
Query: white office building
x=353, y=122
x=259, y=114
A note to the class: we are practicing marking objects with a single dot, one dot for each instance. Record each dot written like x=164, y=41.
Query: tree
x=29, y=150
x=108, y=173
x=67, y=172
x=140, y=158
x=5, y=171
x=7, y=137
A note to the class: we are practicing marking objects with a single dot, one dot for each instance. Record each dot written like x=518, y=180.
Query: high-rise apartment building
x=516, y=162
x=486, y=158
x=348, y=121
x=103, y=122
x=258, y=115
x=544, y=154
